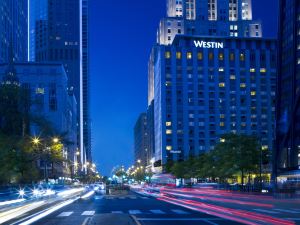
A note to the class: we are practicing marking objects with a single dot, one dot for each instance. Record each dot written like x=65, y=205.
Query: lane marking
x=116, y=212
x=157, y=211
x=135, y=219
x=133, y=197
x=134, y=212
x=285, y=210
x=86, y=220
x=98, y=197
x=88, y=213
x=65, y=214
x=179, y=211
x=266, y=211
x=180, y=219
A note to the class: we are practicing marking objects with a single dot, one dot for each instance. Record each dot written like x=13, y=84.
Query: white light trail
x=12, y=202
x=48, y=212
x=87, y=195
x=70, y=192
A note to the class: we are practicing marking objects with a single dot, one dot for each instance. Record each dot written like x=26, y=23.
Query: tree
x=237, y=154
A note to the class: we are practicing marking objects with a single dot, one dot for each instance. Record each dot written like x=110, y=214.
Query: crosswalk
x=274, y=212
x=120, y=198
x=131, y=212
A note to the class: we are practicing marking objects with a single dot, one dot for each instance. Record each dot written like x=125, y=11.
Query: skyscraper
x=13, y=28
x=287, y=155
x=141, y=153
x=210, y=83
x=208, y=17
x=59, y=32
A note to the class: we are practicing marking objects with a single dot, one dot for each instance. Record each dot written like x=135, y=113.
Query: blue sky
x=122, y=33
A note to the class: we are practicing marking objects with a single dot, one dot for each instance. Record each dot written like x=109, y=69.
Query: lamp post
x=45, y=152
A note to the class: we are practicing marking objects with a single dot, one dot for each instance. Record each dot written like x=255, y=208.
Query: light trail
x=228, y=213
x=12, y=202
x=87, y=195
x=48, y=212
x=14, y=213
x=67, y=193
x=219, y=199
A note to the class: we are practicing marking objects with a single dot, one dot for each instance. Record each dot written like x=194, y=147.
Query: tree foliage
x=234, y=155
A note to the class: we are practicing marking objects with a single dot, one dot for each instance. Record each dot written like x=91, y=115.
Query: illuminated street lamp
x=55, y=140
x=35, y=140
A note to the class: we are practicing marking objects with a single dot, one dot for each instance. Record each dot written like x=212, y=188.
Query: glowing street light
x=35, y=140
x=55, y=140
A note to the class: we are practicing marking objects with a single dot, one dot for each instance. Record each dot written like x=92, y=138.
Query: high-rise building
x=50, y=103
x=141, y=154
x=207, y=84
x=287, y=155
x=59, y=33
x=13, y=29
x=208, y=17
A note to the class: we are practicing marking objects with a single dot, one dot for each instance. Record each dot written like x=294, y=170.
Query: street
x=145, y=210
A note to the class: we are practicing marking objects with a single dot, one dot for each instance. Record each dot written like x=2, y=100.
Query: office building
x=141, y=153
x=50, y=103
x=205, y=83
x=287, y=154
x=59, y=33
x=13, y=28
x=214, y=17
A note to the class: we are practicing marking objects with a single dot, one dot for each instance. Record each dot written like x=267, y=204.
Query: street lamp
x=55, y=140
x=35, y=140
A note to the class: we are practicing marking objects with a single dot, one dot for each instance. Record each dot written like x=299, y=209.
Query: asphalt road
x=148, y=211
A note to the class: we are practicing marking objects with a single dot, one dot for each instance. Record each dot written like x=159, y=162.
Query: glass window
x=178, y=55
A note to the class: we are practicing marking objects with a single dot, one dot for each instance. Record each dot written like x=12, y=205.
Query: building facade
x=59, y=33
x=287, y=155
x=204, y=87
x=141, y=154
x=50, y=99
x=214, y=17
x=13, y=28
x=209, y=74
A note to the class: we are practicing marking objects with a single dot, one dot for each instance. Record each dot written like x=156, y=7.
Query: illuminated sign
x=208, y=44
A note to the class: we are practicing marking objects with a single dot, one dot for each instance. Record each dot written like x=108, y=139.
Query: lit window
x=232, y=77
x=253, y=93
x=178, y=55
x=222, y=140
x=221, y=84
x=168, y=55
x=222, y=116
x=222, y=124
x=200, y=56
x=169, y=148
x=221, y=56
x=252, y=70
x=221, y=69
x=242, y=57
x=265, y=147
x=263, y=70
x=40, y=91
x=168, y=124
x=189, y=55
x=168, y=83
x=211, y=56
x=243, y=85
x=169, y=132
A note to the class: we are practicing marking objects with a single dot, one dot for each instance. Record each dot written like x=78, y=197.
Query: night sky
x=122, y=33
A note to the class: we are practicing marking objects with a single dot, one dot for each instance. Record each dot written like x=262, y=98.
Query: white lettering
x=204, y=44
